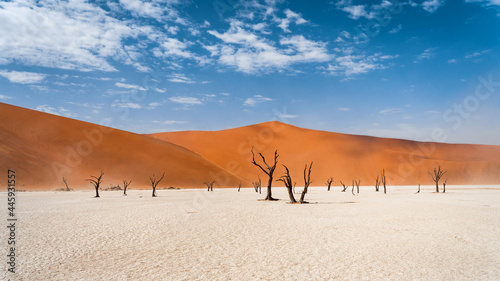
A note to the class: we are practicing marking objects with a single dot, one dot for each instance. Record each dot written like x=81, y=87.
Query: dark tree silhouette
x=96, y=182
x=66, y=183
x=287, y=180
x=155, y=182
x=344, y=186
x=437, y=175
x=210, y=185
x=377, y=183
x=329, y=183
x=269, y=170
x=257, y=185
x=358, y=182
x=444, y=185
x=352, y=190
x=239, y=187
x=307, y=182
x=418, y=191
x=125, y=185
x=383, y=180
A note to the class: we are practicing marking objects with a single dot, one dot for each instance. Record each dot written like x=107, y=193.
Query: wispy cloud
x=477, y=54
x=432, y=5
x=391, y=110
x=343, y=109
x=253, y=101
x=22, y=77
x=185, y=100
x=130, y=105
x=129, y=86
x=4, y=97
x=426, y=54
x=396, y=29
x=180, y=78
x=170, y=122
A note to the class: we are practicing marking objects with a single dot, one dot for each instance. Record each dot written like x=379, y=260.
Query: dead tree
x=239, y=187
x=287, y=180
x=269, y=170
x=352, y=190
x=155, y=182
x=96, y=182
x=344, y=186
x=210, y=185
x=358, y=182
x=307, y=182
x=418, y=191
x=66, y=183
x=329, y=183
x=383, y=180
x=377, y=183
x=257, y=185
x=444, y=185
x=437, y=175
x=125, y=185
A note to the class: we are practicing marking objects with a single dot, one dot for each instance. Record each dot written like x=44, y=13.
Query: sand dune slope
x=42, y=148
x=345, y=157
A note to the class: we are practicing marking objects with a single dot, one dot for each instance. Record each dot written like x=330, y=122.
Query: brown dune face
x=344, y=157
x=42, y=148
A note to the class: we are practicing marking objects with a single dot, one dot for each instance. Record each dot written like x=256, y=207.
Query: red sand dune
x=345, y=157
x=42, y=148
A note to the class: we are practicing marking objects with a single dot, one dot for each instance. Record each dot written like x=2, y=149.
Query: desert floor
x=229, y=235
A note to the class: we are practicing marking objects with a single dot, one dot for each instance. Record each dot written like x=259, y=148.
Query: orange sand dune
x=42, y=148
x=345, y=157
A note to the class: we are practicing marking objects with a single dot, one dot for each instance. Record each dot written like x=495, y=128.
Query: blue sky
x=422, y=70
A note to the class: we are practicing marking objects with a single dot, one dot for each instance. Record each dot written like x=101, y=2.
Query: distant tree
x=287, y=180
x=125, y=185
x=307, y=182
x=437, y=175
x=210, y=185
x=377, y=183
x=418, y=191
x=383, y=180
x=444, y=185
x=269, y=170
x=96, y=182
x=257, y=185
x=155, y=182
x=329, y=183
x=239, y=187
x=358, y=182
x=344, y=186
x=66, y=183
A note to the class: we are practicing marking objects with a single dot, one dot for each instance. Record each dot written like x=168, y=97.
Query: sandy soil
x=229, y=235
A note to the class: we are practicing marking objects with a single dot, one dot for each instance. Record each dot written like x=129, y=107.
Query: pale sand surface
x=229, y=235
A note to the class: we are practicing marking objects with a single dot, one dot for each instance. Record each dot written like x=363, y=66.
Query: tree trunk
x=290, y=194
x=97, y=192
x=329, y=187
x=269, y=196
x=444, y=187
x=154, y=192
x=437, y=187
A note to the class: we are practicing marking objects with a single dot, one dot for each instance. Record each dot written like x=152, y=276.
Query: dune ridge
x=342, y=156
x=42, y=148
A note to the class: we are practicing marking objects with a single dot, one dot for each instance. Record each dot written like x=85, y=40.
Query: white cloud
x=22, y=77
x=391, y=110
x=162, y=91
x=488, y=2
x=357, y=11
x=349, y=64
x=249, y=53
x=343, y=109
x=60, y=34
x=290, y=17
x=396, y=29
x=130, y=105
x=185, y=100
x=477, y=54
x=180, y=78
x=426, y=54
x=4, y=97
x=47, y=109
x=452, y=61
x=170, y=122
x=129, y=86
x=286, y=116
x=432, y=5
x=253, y=101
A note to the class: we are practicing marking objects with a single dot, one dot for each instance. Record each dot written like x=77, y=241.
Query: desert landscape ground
x=229, y=235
